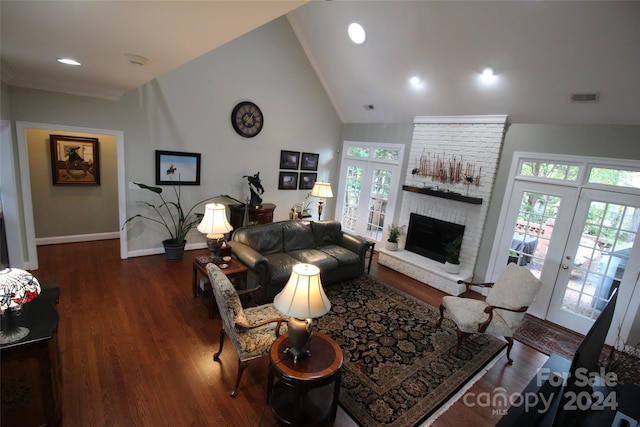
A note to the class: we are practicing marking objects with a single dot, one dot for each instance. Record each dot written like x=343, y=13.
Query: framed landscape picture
x=289, y=159
x=74, y=160
x=309, y=162
x=307, y=179
x=175, y=166
x=288, y=181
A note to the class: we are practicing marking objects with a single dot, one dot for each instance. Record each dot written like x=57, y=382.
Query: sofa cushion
x=313, y=256
x=297, y=235
x=342, y=255
x=265, y=239
x=327, y=232
x=281, y=265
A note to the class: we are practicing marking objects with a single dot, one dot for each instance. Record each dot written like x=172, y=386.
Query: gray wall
x=189, y=109
x=65, y=210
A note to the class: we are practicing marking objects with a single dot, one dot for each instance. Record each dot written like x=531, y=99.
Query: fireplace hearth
x=428, y=236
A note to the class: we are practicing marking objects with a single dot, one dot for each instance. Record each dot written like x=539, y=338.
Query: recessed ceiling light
x=356, y=33
x=415, y=80
x=68, y=61
x=488, y=71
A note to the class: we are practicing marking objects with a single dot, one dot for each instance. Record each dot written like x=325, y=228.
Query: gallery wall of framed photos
x=298, y=171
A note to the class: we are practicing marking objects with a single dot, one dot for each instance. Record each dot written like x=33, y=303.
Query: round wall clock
x=247, y=119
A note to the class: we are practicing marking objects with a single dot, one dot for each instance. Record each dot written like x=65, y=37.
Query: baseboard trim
x=77, y=238
x=160, y=250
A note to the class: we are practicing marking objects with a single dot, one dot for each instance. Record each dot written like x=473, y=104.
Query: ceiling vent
x=585, y=97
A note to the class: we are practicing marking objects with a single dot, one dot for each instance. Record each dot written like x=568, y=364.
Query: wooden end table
x=306, y=393
x=236, y=270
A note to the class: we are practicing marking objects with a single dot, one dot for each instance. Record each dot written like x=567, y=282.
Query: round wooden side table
x=305, y=393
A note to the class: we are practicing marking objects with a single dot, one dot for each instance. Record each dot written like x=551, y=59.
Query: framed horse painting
x=174, y=167
x=74, y=160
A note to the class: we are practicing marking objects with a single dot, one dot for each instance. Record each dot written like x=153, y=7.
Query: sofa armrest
x=357, y=244
x=253, y=259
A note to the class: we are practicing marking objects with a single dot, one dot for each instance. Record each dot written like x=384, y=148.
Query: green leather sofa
x=271, y=250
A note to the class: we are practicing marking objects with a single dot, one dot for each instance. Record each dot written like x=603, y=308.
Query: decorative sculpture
x=256, y=189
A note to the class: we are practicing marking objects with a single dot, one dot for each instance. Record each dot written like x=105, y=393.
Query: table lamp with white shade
x=215, y=225
x=303, y=299
x=323, y=191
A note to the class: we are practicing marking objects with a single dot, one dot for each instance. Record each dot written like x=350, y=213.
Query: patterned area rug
x=547, y=338
x=398, y=368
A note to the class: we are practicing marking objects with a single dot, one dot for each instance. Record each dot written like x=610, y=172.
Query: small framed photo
x=289, y=159
x=74, y=160
x=174, y=167
x=307, y=179
x=288, y=181
x=309, y=162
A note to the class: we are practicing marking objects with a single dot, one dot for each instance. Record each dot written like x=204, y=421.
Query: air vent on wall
x=585, y=97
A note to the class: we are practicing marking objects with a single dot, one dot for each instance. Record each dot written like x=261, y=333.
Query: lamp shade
x=303, y=296
x=321, y=189
x=17, y=287
x=214, y=220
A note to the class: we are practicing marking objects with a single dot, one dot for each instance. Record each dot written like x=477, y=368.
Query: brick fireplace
x=473, y=144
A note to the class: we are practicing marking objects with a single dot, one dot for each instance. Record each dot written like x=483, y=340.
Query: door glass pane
x=382, y=154
x=533, y=230
x=617, y=177
x=378, y=203
x=351, y=198
x=602, y=257
x=549, y=170
x=358, y=152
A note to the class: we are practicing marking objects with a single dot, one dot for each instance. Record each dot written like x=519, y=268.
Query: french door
x=578, y=233
x=369, y=180
x=536, y=232
x=601, y=243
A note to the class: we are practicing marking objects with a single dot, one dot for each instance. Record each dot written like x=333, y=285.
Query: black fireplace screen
x=428, y=236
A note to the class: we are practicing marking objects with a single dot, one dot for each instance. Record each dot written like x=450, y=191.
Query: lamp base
x=299, y=335
x=8, y=337
x=215, y=243
x=320, y=209
x=296, y=354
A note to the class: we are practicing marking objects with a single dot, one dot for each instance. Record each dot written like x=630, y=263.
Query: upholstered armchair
x=251, y=330
x=501, y=312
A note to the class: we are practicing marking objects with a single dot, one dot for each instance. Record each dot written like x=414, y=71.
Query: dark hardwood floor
x=137, y=348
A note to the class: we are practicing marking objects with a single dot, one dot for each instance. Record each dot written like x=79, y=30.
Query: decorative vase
x=451, y=268
x=392, y=246
x=174, y=251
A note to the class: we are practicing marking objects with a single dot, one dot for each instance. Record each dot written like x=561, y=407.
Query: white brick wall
x=477, y=140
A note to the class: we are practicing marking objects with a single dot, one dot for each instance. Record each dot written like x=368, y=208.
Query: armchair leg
x=461, y=336
x=442, y=309
x=241, y=366
x=509, y=346
x=216, y=356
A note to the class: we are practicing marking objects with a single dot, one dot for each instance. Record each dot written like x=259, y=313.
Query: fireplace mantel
x=443, y=194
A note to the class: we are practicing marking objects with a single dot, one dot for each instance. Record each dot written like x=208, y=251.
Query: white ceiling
x=542, y=51
x=100, y=33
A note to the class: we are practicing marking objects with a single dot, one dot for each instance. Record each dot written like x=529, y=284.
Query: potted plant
x=175, y=220
x=395, y=232
x=452, y=250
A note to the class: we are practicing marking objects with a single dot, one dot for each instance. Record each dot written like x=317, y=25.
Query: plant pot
x=451, y=268
x=174, y=251
x=392, y=246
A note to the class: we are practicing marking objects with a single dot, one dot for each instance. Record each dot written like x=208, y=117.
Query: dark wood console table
x=31, y=369
x=261, y=215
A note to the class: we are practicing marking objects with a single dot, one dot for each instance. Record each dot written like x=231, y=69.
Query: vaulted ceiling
x=542, y=51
